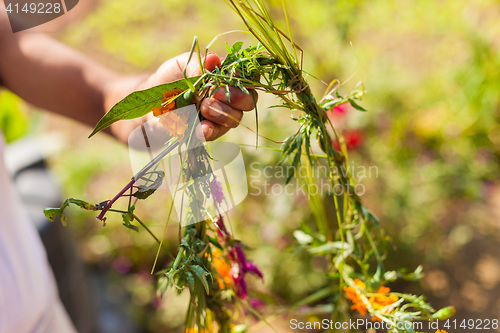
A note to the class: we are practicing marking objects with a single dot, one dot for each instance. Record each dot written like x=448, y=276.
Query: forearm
x=52, y=76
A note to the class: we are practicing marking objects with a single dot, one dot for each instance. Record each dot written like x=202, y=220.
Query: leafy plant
x=210, y=263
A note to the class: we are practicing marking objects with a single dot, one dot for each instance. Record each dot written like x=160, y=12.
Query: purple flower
x=240, y=256
x=256, y=303
x=221, y=228
x=252, y=268
x=216, y=190
x=239, y=281
x=240, y=268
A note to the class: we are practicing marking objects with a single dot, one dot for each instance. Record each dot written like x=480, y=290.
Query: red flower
x=353, y=140
x=340, y=110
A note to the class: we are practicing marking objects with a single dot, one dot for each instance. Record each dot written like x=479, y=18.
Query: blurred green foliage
x=432, y=74
x=13, y=120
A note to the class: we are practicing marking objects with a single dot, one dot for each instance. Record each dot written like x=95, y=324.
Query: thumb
x=212, y=60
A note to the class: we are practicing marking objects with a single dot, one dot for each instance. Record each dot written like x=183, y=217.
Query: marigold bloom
x=167, y=104
x=353, y=294
x=378, y=302
x=223, y=269
x=441, y=331
x=175, y=123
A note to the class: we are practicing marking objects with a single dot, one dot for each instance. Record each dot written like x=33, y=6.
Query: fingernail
x=207, y=131
x=214, y=110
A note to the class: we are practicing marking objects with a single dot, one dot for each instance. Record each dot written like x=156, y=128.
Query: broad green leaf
x=139, y=103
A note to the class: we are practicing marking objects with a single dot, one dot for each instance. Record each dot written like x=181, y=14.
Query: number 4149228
x=472, y=324
x=35, y=8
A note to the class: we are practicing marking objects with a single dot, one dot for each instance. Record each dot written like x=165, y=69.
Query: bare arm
x=55, y=77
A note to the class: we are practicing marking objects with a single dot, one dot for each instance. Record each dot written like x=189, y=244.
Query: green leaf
x=144, y=191
x=356, y=106
x=139, y=103
x=236, y=47
x=52, y=213
x=331, y=248
x=190, y=280
x=200, y=274
x=296, y=159
x=228, y=93
x=444, y=313
x=127, y=218
x=302, y=237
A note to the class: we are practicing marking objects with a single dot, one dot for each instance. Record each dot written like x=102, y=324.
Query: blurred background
x=431, y=70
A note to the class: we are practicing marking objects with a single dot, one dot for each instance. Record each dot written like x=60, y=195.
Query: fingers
x=220, y=118
x=239, y=99
x=221, y=113
x=210, y=131
x=212, y=60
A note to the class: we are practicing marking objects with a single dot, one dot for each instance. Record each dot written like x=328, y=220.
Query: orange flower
x=378, y=302
x=167, y=104
x=441, y=331
x=175, y=123
x=223, y=269
x=353, y=294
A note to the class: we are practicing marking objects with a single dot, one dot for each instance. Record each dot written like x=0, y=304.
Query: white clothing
x=29, y=302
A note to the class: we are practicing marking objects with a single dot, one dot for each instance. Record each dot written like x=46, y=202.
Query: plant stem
x=141, y=173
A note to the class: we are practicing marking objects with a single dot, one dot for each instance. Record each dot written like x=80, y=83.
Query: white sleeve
x=29, y=302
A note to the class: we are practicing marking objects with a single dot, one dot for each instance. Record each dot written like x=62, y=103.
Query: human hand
x=220, y=114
